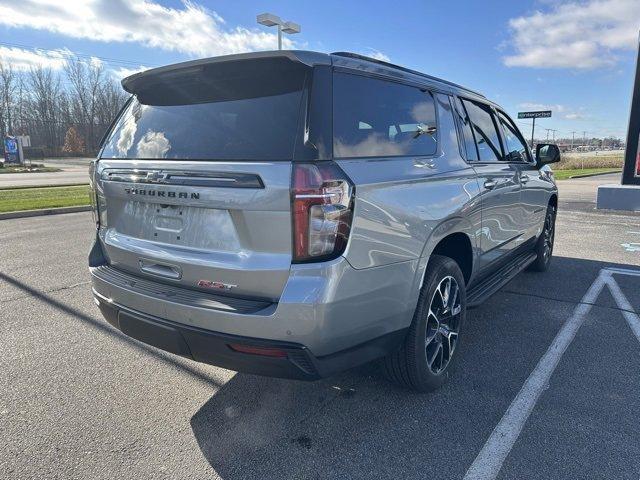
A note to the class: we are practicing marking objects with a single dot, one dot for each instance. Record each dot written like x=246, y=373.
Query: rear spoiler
x=134, y=83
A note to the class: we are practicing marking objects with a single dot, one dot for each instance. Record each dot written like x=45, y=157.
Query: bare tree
x=45, y=105
x=7, y=88
x=86, y=81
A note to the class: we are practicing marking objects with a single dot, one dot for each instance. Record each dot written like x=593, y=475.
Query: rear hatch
x=194, y=179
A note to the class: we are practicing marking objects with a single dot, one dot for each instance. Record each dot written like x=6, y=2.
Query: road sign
x=540, y=114
x=534, y=115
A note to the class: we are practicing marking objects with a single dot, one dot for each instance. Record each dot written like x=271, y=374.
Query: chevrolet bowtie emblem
x=157, y=177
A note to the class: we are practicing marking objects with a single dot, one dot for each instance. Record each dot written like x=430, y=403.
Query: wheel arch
x=453, y=238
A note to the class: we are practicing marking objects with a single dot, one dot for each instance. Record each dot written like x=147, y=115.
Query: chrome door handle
x=490, y=184
x=524, y=178
x=424, y=163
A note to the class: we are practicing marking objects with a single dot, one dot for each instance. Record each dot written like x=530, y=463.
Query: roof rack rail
x=404, y=69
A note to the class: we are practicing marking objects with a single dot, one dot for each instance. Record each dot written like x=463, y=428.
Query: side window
x=467, y=133
x=514, y=143
x=376, y=118
x=485, y=130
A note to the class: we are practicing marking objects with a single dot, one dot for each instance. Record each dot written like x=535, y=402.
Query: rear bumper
x=329, y=315
x=214, y=347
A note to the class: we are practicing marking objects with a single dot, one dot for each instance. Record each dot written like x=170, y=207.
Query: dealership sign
x=534, y=115
x=631, y=170
x=539, y=114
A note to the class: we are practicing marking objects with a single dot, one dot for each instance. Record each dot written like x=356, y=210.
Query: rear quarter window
x=376, y=118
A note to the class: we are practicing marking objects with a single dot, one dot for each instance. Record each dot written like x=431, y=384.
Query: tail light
x=322, y=202
x=93, y=193
x=96, y=194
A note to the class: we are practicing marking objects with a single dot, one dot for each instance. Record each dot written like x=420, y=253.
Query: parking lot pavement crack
x=51, y=290
x=570, y=302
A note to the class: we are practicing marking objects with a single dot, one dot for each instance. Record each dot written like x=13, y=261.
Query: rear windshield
x=244, y=111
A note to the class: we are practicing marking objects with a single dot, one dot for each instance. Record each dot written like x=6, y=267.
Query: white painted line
x=627, y=309
x=631, y=247
x=495, y=450
x=489, y=461
x=623, y=271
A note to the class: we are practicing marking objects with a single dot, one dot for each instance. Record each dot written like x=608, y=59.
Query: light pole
x=271, y=20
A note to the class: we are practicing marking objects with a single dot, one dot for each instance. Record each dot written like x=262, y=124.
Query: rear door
x=534, y=189
x=195, y=179
x=499, y=184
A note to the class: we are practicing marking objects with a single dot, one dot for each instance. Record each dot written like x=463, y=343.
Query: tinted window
x=485, y=131
x=227, y=114
x=467, y=134
x=378, y=118
x=514, y=144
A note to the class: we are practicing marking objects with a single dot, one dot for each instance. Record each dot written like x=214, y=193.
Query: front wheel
x=425, y=359
x=544, y=245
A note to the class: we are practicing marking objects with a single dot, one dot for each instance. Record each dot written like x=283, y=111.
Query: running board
x=494, y=282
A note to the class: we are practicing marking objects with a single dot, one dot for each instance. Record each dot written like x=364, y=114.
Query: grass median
x=18, y=199
x=27, y=169
x=569, y=173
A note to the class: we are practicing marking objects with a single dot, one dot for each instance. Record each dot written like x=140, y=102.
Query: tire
x=544, y=244
x=415, y=365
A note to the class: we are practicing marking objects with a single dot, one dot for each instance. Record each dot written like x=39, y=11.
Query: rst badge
x=215, y=285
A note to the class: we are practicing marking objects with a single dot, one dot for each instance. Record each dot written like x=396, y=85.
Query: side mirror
x=547, y=153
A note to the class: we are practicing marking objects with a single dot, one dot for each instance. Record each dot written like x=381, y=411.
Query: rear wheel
x=544, y=245
x=425, y=359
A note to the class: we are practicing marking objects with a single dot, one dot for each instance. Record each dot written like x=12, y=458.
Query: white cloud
x=579, y=35
x=192, y=29
x=378, y=55
x=23, y=60
x=541, y=106
x=123, y=72
x=562, y=111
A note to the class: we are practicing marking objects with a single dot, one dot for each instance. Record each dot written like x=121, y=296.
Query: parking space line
x=489, y=461
x=627, y=309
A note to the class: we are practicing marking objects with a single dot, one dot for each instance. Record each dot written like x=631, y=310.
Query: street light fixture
x=271, y=20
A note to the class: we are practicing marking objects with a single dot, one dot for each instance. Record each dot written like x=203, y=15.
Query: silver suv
x=295, y=214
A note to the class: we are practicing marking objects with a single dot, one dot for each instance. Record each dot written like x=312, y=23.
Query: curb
x=44, y=211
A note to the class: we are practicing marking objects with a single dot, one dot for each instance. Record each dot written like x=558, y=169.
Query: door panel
x=501, y=210
x=534, y=199
x=533, y=187
x=499, y=184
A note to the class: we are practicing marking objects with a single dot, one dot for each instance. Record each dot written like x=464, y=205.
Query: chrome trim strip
x=182, y=177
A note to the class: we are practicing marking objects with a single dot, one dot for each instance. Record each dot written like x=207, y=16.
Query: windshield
x=226, y=113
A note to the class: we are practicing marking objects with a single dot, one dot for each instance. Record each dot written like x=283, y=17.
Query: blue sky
x=576, y=57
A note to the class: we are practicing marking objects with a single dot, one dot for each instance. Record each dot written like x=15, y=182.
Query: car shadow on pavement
x=102, y=326
x=358, y=425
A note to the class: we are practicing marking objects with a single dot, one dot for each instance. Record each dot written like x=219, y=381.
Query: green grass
x=22, y=169
x=12, y=200
x=566, y=174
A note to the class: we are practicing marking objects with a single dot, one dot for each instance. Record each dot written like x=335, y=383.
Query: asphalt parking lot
x=546, y=385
